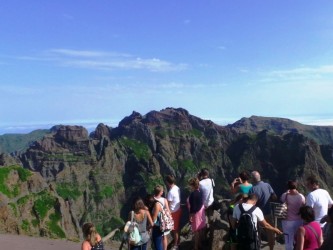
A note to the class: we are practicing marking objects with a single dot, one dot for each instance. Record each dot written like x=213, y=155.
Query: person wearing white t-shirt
x=257, y=215
x=319, y=199
x=206, y=187
x=173, y=198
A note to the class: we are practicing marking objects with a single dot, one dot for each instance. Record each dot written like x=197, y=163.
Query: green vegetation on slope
x=140, y=150
x=12, y=190
x=68, y=191
x=43, y=204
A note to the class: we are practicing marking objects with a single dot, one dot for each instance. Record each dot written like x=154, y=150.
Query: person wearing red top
x=309, y=236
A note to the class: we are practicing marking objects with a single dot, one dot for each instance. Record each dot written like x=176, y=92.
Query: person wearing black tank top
x=92, y=240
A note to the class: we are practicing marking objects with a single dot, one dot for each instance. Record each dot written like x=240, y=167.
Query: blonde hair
x=90, y=233
x=158, y=189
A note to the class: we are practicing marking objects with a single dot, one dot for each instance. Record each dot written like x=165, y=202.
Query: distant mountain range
x=10, y=143
x=323, y=135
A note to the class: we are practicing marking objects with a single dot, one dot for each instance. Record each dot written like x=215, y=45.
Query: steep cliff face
x=94, y=178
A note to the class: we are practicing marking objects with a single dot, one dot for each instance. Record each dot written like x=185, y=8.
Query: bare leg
x=165, y=242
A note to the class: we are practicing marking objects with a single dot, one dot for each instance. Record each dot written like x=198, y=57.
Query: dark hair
x=237, y=199
x=291, y=184
x=312, y=180
x=252, y=197
x=244, y=176
x=170, y=179
x=150, y=202
x=204, y=172
x=307, y=213
x=138, y=204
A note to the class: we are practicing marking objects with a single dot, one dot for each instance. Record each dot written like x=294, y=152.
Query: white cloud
x=102, y=60
x=84, y=53
x=300, y=73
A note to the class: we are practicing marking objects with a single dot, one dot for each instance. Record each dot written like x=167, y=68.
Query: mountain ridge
x=10, y=143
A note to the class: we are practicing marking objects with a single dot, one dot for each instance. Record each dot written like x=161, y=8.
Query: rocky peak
x=101, y=131
x=134, y=117
x=71, y=133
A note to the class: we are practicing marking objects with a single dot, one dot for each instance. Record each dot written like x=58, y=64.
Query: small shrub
x=53, y=225
x=43, y=204
x=141, y=150
x=68, y=191
x=25, y=225
x=23, y=173
x=13, y=206
x=107, y=191
x=23, y=200
x=14, y=190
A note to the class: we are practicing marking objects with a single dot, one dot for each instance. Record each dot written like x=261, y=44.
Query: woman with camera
x=241, y=184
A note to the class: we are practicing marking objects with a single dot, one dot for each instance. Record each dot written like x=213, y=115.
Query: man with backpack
x=245, y=219
x=265, y=194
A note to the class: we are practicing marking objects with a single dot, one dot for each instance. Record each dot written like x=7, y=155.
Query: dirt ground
x=15, y=242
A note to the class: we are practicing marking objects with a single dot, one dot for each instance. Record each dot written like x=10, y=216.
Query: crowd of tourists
x=306, y=226
x=308, y=223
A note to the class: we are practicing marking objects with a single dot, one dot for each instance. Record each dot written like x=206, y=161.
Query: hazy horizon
x=91, y=125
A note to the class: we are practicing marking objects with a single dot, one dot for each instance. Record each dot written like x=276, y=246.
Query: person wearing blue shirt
x=265, y=194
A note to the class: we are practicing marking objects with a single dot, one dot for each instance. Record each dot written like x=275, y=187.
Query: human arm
x=300, y=233
x=85, y=245
x=150, y=220
x=234, y=217
x=309, y=201
x=273, y=194
x=166, y=204
x=157, y=208
x=98, y=238
x=283, y=197
x=233, y=222
x=303, y=199
x=268, y=226
x=234, y=186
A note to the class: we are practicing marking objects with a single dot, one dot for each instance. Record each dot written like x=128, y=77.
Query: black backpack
x=247, y=233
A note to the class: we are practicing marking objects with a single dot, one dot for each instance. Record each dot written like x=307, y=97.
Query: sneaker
x=174, y=248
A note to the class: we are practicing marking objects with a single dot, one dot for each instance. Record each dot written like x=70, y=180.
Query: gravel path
x=21, y=242
x=16, y=242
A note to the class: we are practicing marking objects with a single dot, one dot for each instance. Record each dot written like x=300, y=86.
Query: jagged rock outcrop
x=7, y=160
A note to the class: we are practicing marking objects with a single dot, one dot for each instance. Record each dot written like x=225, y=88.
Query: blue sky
x=87, y=62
